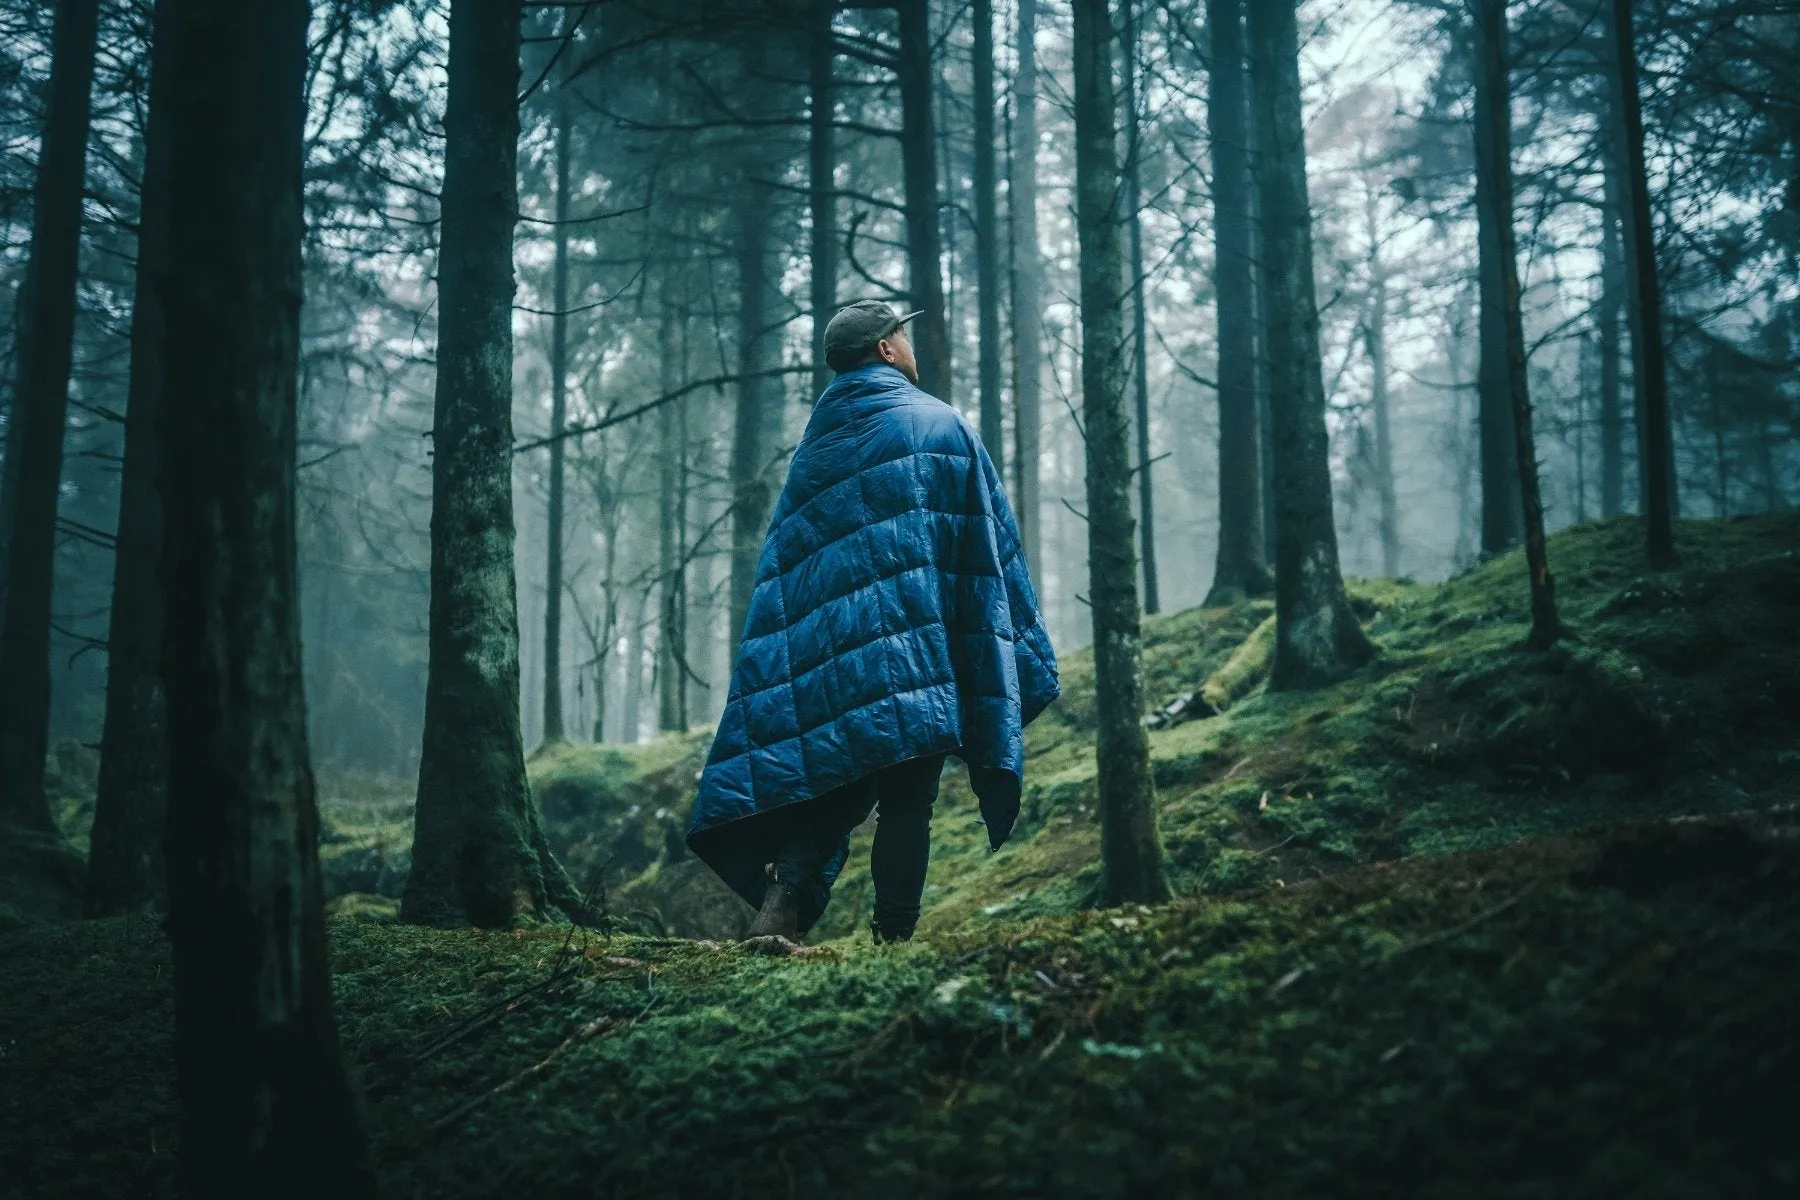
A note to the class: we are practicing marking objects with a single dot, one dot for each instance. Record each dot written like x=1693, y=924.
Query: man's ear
x=885, y=348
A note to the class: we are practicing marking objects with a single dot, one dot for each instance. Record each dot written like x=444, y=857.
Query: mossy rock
x=612, y=812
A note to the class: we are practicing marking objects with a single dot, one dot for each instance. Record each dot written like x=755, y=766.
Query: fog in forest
x=668, y=211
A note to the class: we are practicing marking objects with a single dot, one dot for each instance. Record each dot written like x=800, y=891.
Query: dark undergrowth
x=1602, y=1015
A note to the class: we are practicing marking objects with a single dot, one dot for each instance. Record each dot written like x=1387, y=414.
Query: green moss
x=1437, y=935
x=1679, y=692
x=1605, y=1015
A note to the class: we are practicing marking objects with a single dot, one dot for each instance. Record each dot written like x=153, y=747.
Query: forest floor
x=1475, y=921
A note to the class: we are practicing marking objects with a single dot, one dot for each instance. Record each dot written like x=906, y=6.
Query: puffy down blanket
x=892, y=617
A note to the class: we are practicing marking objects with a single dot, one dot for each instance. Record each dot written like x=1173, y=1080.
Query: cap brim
x=909, y=316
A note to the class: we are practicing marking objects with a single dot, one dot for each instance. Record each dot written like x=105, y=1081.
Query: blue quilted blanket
x=892, y=617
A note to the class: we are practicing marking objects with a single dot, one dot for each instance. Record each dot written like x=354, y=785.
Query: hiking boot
x=780, y=913
x=882, y=937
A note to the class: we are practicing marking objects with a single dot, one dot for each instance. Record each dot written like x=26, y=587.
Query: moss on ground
x=1679, y=692
x=1476, y=921
x=1602, y=1015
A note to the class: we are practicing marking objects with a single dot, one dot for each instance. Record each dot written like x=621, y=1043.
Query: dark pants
x=901, y=798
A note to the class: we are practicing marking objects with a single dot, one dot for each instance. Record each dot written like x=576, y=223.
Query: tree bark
x=987, y=239
x=758, y=417
x=1656, y=449
x=1240, y=569
x=1140, y=344
x=918, y=153
x=1027, y=291
x=126, y=873
x=265, y=1104
x=1375, y=342
x=671, y=711
x=559, y=382
x=1131, y=856
x=1493, y=164
x=637, y=632
x=1500, y=501
x=479, y=855
x=34, y=444
x=1317, y=637
x=822, y=182
x=1612, y=301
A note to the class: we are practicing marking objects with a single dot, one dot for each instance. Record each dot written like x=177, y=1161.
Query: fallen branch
x=1446, y=934
x=1246, y=667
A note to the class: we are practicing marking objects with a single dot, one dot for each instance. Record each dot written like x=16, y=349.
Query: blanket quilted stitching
x=892, y=617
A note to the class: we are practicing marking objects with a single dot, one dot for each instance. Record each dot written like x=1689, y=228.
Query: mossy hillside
x=1606, y=1014
x=610, y=813
x=1678, y=691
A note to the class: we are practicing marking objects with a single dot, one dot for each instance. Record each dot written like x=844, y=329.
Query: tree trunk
x=918, y=153
x=126, y=873
x=479, y=855
x=1463, y=451
x=702, y=617
x=1500, y=501
x=559, y=382
x=822, y=154
x=34, y=445
x=1375, y=341
x=1131, y=857
x=1027, y=291
x=265, y=1104
x=1493, y=165
x=1656, y=450
x=1240, y=569
x=637, y=632
x=671, y=711
x=1317, y=637
x=1259, y=282
x=758, y=417
x=1612, y=301
x=987, y=239
x=1140, y=348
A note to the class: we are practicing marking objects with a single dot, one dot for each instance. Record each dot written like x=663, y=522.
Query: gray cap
x=853, y=333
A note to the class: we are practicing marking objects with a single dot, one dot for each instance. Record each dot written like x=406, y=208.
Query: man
x=892, y=624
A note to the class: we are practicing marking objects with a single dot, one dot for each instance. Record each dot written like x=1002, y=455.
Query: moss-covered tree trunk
x=1131, y=856
x=1493, y=170
x=1240, y=569
x=34, y=444
x=1027, y=290
x=479, y=855
x=265, y=1105
x=1317, y=637
x=918, y=153
x=125, y=856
